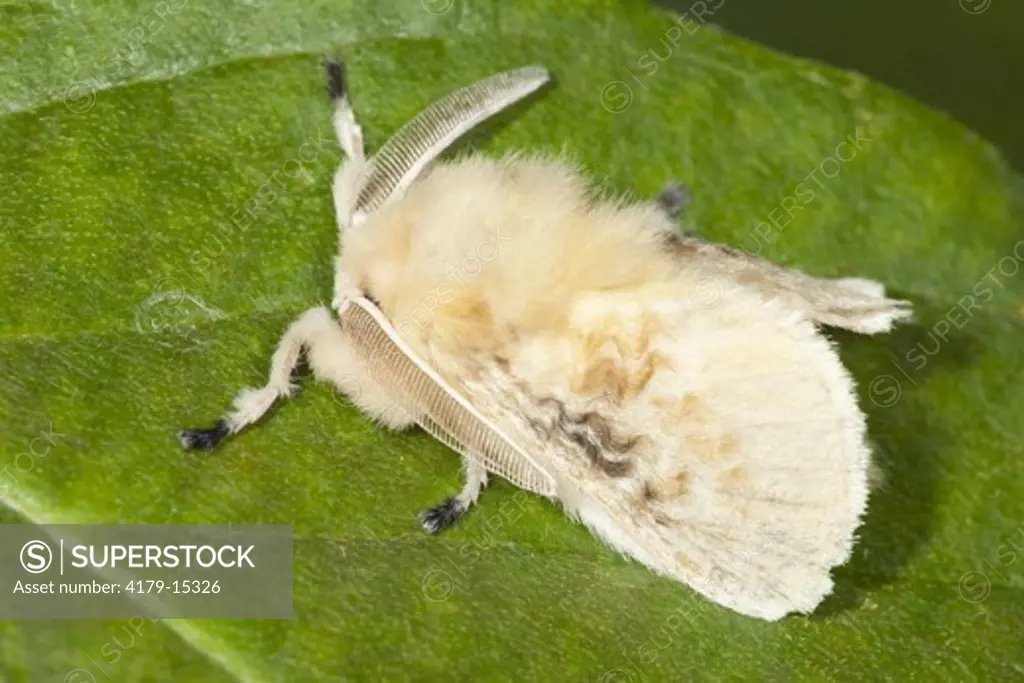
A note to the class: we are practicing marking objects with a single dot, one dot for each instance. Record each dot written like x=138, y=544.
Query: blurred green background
x=965, y=57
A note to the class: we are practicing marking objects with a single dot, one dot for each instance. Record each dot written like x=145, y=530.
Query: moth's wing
x=775, y=444
x=404, y=156
x=856, y=304
x=720, y=445
x=780, y=456
x=437, y=406
x=727, y=451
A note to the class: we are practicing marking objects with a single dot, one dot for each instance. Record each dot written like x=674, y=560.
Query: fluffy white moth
x=673, y=394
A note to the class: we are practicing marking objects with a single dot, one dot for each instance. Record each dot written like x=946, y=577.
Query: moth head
x=374, y=258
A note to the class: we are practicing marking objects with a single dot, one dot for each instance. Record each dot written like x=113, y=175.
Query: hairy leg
x=349, y=176
x=330, y=358
x=444, y=515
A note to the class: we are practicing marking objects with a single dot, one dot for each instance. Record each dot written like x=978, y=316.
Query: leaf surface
x=165, y=212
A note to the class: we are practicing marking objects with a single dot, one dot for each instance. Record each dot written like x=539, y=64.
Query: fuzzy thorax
x=482, y=248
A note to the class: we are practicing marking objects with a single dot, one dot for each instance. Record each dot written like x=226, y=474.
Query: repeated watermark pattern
x=257, y=205
x=709, y=289
x=617, y=96
x=444, y=293
x=175, y=309
x=28, y=460
x=80, y=96
x=438, y=7
x=170, y=308
x=758, y=542
x=976, y=585
x=121, y=642
x=440, y=583
x=975, y=6
x=886, y=389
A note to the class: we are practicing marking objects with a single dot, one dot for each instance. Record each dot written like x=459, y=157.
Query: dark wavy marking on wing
x=592, y=432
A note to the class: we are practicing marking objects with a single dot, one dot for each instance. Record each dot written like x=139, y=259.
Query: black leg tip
x=336, y=81
x=443, y=516
x=203, y=439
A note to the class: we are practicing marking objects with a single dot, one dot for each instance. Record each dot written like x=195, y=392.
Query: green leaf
x=135, y=300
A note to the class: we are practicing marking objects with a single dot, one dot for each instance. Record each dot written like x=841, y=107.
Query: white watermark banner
x=166, y=571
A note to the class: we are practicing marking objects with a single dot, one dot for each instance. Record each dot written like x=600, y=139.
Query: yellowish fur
x=509, y=242
x=726, y=430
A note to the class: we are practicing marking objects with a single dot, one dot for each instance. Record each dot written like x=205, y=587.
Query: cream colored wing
x=719, y=445
x=852, y=303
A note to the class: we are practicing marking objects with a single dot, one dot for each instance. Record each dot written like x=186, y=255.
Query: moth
x=675, y=395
